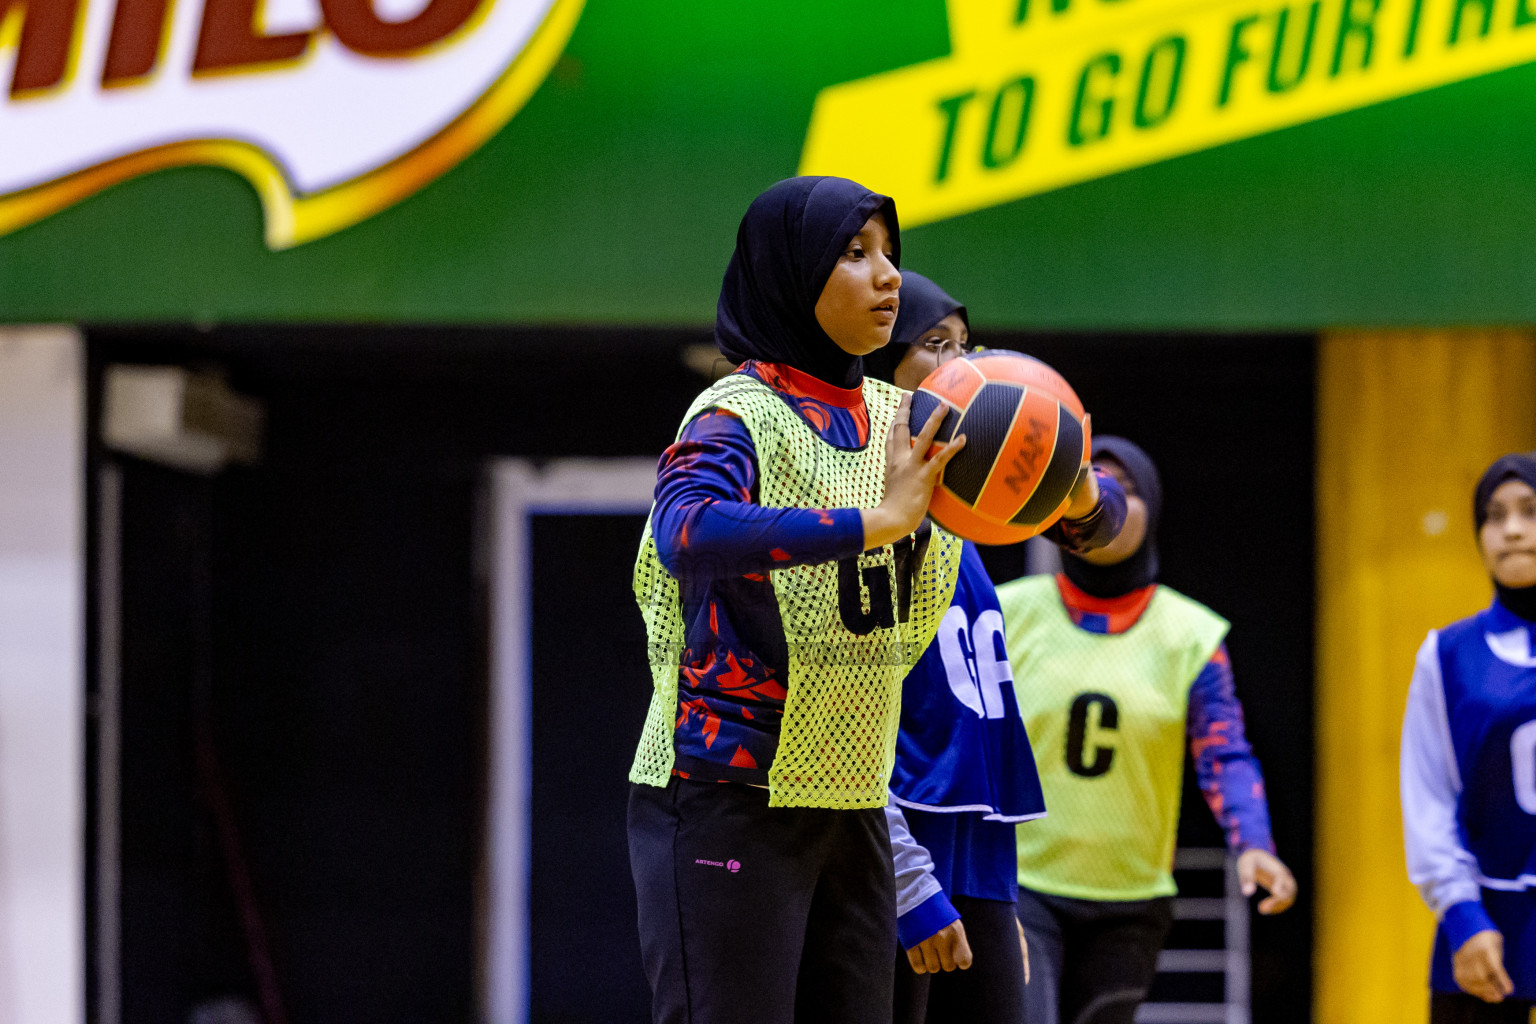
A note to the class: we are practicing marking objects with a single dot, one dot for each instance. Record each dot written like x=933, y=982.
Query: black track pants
x=1091, y=961
x=1460, y=1008
x=751, y=914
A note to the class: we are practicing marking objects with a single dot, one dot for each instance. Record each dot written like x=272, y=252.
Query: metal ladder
x=1231, y=960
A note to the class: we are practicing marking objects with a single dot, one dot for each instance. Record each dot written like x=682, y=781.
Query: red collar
x=1121, y=612
x=798, y=382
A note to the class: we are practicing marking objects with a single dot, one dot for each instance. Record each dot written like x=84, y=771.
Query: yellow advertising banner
x=1038, y=94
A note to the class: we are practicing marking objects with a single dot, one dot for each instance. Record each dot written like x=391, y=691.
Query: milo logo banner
x=1037, y=94
x=332, y=109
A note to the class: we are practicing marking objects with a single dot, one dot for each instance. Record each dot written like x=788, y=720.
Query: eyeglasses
x=939, y=346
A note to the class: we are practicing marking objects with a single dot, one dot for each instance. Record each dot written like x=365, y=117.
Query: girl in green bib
x=1115, y=675
x=785, y=595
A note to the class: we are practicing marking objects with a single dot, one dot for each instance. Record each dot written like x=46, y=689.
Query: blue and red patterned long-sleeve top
x=1225, y=769
x=714, y=537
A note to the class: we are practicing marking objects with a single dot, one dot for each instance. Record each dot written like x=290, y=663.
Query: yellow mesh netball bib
x=854, y=628
x=1105, y=715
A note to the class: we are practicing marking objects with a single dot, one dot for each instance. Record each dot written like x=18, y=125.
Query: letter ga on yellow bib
x=1106, y=717
x=843, y=707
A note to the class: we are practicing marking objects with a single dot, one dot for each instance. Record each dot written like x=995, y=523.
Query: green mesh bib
x=854, y=628
x=1106, y=716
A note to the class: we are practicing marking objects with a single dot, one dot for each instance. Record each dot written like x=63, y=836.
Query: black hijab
x=1141, y=569
x=1519, y=466
x=923, y=304
x=789, y=240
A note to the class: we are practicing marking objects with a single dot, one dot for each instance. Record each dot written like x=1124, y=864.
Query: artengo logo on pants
x=333, y=109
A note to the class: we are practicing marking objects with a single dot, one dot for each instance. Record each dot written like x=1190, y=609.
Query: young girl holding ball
x=785, y=598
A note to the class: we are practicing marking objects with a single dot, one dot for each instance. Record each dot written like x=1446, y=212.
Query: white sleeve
x=914, y=865
x=1445, y=873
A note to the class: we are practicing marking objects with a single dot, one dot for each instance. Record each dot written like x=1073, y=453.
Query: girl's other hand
x=1085, y=490
x=910, y=477
x=1260, y=867
x=1479, y=967
x=944, y=950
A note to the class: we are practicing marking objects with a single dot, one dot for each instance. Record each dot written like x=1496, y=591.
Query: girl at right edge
x=1469, y=772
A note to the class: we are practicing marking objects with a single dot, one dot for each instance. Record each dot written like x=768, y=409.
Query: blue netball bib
x=1489, y=674
x=1488, y=671
x=962, y=745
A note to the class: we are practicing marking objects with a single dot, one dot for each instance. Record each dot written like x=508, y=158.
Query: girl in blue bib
x=1469, y=772
x=965, y=774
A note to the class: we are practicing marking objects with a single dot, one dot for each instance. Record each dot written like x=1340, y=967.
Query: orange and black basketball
x=1026, y=437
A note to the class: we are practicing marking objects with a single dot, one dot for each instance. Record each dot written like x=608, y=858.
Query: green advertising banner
x=1057, y=163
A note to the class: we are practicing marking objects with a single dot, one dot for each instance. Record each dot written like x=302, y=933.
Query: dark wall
x=318, y=616
x=168, y=912
x=344, y=638
x=591, y=686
